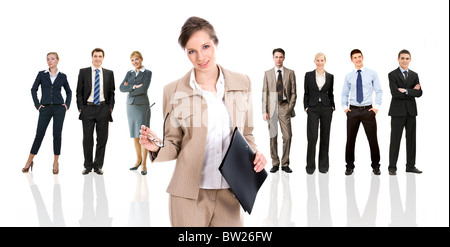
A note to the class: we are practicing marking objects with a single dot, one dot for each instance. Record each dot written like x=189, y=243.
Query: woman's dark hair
x=194, y=24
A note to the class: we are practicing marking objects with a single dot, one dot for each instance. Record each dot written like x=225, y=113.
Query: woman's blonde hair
x=53, y=53
x=136, y=54
x=320, y=54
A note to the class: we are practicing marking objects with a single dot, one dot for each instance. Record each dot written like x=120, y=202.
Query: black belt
x=284, y=102
x=101, y=103
x=360, y=107
x=52, y=104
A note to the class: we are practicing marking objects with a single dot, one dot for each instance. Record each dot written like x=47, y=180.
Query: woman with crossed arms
x=136, y=84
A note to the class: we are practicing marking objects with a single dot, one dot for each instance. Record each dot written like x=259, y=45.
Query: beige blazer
x=269, y=91
x=186, y=127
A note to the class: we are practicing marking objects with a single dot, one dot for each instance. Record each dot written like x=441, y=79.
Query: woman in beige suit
x=203, y=107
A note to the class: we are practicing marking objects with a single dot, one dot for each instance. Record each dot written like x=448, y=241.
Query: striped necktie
x=280, y=87
x=97, y=87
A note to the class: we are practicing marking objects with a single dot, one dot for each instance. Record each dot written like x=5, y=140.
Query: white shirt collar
x=317, y=73
x=276, y=69
x=220, y=85
x=141, y=70
x=94, y=68
x=48, y=71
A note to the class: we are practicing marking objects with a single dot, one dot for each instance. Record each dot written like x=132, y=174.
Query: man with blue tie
x=357, y=102
x=95, y=101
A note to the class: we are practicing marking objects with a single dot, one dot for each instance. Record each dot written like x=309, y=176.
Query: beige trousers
x=282, y=116
x=213, y=208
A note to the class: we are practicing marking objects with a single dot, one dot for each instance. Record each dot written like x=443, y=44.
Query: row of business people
x=361, y=97
x=95, y=101
x=199, y=195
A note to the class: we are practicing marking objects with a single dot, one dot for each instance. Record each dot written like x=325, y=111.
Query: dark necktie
x=406, y=74
x=97, y=87
x=280, y=87
x=359, y=89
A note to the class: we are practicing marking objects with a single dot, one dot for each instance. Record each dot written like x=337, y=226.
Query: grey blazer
x=139, y=95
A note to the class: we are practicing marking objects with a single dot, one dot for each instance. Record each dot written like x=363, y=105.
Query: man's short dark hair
x=278, y=50
x=98, y=50
x=404, y=52
x=355, y=51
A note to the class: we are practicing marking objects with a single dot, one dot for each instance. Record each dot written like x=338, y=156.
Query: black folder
x=237, y=169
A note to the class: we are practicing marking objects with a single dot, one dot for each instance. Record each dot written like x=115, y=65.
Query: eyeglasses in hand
x=157, y=141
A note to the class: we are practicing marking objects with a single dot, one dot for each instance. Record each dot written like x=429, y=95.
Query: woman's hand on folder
x=259, y=162
x=145, y=142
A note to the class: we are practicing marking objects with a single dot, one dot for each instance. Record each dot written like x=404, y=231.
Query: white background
x=248, y=31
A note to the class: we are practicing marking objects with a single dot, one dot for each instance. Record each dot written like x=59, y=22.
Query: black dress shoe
x=274, y=169
x=286, y=169
x=376, y=171
x=349, y=171
x=392, y=172
x=99, y=171
x=414, y=170
x=86, y=171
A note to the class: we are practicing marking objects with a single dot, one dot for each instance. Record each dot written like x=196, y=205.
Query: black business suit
x=320, y=106
x=52, y=102
x=403, y=112
x=95, y=116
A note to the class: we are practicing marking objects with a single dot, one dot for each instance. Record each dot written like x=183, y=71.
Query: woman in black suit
x=52, y=105
x=319, y=105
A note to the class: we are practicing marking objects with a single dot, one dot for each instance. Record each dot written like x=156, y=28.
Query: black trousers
x=354, y=118
x=58, y=113
x=397, y=125
x=95, y=117
x=322, y=115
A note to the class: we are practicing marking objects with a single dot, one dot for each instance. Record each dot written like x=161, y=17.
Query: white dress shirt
x=320, y=80
x=218, y=136
x=102, y=96
x=52, y=77
x=282, y=76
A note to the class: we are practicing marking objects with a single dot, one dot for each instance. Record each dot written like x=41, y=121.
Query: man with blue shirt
x=357, y=101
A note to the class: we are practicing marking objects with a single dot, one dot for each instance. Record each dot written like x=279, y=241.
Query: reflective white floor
x=126, y=198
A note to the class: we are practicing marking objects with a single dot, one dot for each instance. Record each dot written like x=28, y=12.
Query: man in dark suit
x=405, y=87
x=95, y=101
x=279, y=95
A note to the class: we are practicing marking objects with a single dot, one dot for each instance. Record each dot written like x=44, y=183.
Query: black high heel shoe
x=25, y=169
x=136, y=167
x=144, y=172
